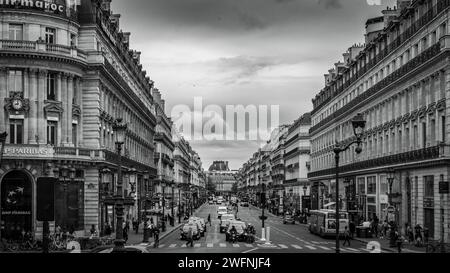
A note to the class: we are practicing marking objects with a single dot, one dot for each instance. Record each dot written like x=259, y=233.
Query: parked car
x=185, y=229
x=288, y=218
x=240, y=228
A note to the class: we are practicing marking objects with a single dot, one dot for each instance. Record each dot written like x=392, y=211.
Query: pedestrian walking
x=156, y=237
x=346, y=236
x=398, y=241
x=190, y=241
x=375, y=225
x=352, y=229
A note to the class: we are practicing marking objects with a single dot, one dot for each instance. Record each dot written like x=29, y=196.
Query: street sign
x=390, y=209
x=443, y=187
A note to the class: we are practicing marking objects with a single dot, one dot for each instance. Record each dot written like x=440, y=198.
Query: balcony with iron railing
x=39, y=47
x=394, y=77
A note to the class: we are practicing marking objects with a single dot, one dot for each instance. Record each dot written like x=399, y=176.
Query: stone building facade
x=66, y=75
x=399, y=81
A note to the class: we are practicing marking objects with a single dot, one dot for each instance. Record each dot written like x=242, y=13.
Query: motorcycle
x=250, y=238
x=233, y=237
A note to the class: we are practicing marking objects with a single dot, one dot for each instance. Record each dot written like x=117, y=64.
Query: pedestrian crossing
x=307, y=247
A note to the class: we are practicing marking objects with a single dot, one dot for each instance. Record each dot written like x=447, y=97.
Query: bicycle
x=435, y=246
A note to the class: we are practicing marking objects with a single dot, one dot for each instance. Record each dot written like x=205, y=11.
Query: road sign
x=391, y=209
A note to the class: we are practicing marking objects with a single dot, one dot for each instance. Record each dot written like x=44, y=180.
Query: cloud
x=331, y=4
x=251, y=22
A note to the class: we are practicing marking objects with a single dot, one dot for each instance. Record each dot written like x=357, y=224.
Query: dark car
x=288, y=218
x=240, y=228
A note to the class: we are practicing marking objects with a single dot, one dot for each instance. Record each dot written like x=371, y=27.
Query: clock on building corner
x=17, y=104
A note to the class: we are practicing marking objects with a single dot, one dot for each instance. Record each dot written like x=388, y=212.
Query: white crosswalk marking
x=235, y=245
x=297, y=247
x=222, y=245
x=365, y=249
x=283, y=246
x=172, y=245
x=210, y=245
x=161, y=246
x=248, y=245
x=324, y=247
x=183, y=245
x=310, y=247
x=352, y=249
x=197, y=245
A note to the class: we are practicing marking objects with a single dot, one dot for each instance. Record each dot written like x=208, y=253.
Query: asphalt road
x=284, y=238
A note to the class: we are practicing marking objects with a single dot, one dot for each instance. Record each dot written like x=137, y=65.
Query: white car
x=221, y=211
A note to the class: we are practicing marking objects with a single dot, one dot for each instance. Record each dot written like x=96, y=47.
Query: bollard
x=267, y=235
x=263, y=234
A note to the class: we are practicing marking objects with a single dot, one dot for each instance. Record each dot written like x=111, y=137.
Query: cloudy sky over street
x=249, y=52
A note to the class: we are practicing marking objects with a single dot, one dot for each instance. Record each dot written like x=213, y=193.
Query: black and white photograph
x=224, y=127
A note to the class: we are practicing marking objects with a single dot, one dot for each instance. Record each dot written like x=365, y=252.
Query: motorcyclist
x=233, y=233
x=251, y=232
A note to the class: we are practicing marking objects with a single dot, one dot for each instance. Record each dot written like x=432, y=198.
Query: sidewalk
x=384, y=243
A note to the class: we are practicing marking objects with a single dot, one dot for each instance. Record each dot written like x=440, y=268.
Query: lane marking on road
x=209, y=245
x=311, y=247
x=222, y=245
x=282, y=246
x=235, y=245
x=197, y=245
x=367, y=250
x=172, y=245
x=297, y=247
x=247, y=251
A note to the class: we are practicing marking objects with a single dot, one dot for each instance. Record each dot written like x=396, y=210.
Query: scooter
x=250, y=238
x=233, y=237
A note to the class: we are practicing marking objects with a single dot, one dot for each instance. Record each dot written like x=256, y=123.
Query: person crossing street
x=346, y=236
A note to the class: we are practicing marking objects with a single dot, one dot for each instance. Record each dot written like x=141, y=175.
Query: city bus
x=323, y=222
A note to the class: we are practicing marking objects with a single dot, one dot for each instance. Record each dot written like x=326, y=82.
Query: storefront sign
x=15, y=212
x=28, y=151
x=428, y=203
x=34, y=4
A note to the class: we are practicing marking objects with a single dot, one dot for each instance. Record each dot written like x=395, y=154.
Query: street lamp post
x=263, y=203
x=119, y=129
x=390, y=178
x=172, y=201
x=3, y=137
x=179, y=204
x=163, y=222
x=146, y=177
x=359, y=124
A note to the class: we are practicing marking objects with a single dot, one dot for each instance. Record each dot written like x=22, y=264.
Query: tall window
x=15, y=81
x=52, y=128
x=16, y=131
x=51, y=86
x=73, y=40
x=443, y=130
x=50, y=35
x=429, y=185
x=424, y=134
x=16, y=32
x=371, y=185
x=75, y=134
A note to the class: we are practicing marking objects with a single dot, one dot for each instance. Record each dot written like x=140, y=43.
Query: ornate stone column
x=69, y=115
x=32, y=114
x=64, y=99
x=41, y=122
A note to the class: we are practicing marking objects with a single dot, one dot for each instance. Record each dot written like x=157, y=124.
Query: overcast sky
x=250, y=52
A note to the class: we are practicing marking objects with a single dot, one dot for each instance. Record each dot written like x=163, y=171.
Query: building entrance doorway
x=16, y=205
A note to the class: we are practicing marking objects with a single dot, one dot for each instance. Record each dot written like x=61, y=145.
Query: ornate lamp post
x=359, y=124
x=390, y=179
x=179, y=203
x=145, y=197
x=68, y=175
x=163, y=222
x=119, y=133
x=3, y=137
x=172, y=201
